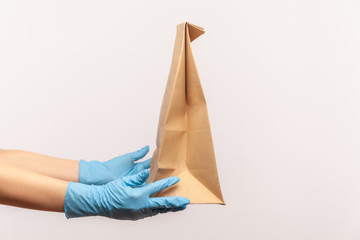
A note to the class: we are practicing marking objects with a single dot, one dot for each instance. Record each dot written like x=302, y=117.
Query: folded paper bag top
x=184, y=142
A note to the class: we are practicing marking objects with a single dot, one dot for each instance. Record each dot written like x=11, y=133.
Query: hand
x=96, y=172
x=125, y=198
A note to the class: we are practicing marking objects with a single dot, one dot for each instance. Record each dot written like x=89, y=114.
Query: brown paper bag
x=184, y=143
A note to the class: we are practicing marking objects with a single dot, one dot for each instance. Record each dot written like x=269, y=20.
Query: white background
x=85, y=79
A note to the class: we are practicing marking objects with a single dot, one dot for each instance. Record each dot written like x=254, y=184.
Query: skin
x=23, y=188
x=35, y=181
x=59, y=168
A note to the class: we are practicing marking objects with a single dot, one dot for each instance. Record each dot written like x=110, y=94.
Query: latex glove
x=96, y=172
x=125, y=198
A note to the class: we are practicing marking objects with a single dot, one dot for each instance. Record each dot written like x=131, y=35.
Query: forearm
x=64, y=169
x=23, y=188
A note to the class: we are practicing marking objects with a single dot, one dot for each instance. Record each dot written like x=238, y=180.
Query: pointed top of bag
x=194, y=31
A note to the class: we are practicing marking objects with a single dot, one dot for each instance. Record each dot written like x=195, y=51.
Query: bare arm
x=23, y=188
x=64, y=169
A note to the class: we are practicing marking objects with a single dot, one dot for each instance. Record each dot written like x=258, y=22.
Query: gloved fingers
x=155, y=211
x=143, y=165
x=165, y=210
x=168, y=202
x=141, y=185
x=148, y=212
x=160, y=185
x=178, y=209
x=139, y=154
x=137, y=179
x=160, y=210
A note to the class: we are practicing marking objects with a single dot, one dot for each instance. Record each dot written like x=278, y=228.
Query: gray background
x=85, y=79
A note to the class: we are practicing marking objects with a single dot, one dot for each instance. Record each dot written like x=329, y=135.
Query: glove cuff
x=66, y=201
x=83, y=200
x=84, y=174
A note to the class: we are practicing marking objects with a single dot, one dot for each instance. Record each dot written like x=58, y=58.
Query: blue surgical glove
x=96, y=172
x=126, y=198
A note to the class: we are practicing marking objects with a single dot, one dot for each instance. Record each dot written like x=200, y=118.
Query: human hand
x=96, y=172
x=125, y=198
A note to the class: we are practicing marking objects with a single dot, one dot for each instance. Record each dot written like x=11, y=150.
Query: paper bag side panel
x=177, y=64
x=172, y=117
x=200, y=153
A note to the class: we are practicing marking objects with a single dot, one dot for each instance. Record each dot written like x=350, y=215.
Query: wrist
x=83, y=172
x=83, y=200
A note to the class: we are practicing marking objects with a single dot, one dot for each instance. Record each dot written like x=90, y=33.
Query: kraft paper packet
x=184, y=142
